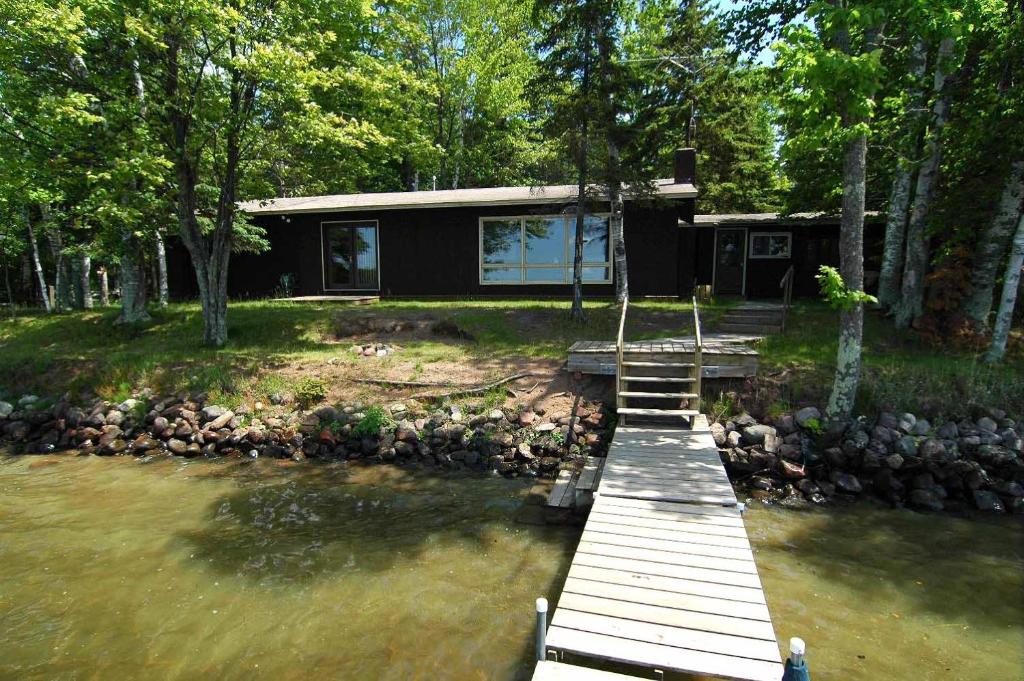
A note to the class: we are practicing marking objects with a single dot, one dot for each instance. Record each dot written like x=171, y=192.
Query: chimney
x=686, y=166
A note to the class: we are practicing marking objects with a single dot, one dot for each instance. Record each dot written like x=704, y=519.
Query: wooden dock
x=724, y=355
x=664, y=577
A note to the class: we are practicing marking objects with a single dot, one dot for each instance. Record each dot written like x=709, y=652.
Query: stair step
x=633, y=393
x=659, y=379
x=737, y=327
x=637, y=411
x=670, y=365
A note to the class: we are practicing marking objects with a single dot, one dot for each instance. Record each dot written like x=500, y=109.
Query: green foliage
x=310, y=391
x=375, y=419
x=558, y=437
x=836, y=293
x=814, y=427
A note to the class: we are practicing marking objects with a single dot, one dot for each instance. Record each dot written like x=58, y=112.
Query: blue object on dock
x=796, y=672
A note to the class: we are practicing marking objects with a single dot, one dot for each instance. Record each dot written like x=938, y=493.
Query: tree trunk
x=576, y=313
x=992, y=246
x=133, y=283
x=1011, y=285
x=37, y=264
x=899, y=200
x=851, y=267
x=916, y=262
x=7, y=284
x=62, y=275
x=86, y=284
x=104, y=286
x=161, y=269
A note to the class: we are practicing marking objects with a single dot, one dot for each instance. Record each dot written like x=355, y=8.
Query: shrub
x=372, y=423
x=310, y=391
x=814, y=426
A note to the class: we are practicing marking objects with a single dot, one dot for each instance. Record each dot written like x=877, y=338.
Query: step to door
x=634, y=393
x=660, y=365
x=748, y=328
x=637, y=411
x=660, y=379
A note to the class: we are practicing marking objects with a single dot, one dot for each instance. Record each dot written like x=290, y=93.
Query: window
x=349, y=255
x=540, y=250
x=770, y=244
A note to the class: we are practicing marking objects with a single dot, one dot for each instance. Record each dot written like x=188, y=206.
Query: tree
x=833, y=75
x=1011, y=286
x=575, y=75
x=230, y=81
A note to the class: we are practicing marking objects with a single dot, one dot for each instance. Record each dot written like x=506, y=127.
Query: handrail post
x=618, y=356
x=786, y=284
x=698, y=347
x=542, y=629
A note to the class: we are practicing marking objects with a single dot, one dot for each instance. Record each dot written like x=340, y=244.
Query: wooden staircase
x=655, y=384
x=760, y=317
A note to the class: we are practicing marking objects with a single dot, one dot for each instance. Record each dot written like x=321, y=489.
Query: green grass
x=901, y=371
x=86, y=352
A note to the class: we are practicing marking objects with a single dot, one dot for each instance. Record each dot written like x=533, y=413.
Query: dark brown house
x=517, y=242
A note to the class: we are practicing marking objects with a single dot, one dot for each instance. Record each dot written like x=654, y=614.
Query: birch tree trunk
x=64, y=297
x=899, y=200
x=851, y=267
x=133, y=283
x=104, y=286
x=85, y=284
x=161, y=269
x=991, y=248
x=1011, y=285
x=576, y=311
x=915, y=264
x=37, y=264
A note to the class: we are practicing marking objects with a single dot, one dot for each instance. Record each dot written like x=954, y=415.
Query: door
x=350, y=256
x=730, y=261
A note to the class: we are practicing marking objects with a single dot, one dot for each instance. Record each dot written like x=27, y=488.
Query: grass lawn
x=273, y=346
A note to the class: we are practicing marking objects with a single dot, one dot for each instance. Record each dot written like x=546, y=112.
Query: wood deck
x=664, y=576
x=724, y=355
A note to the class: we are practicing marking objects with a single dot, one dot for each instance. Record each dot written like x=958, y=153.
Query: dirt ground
x=546, y=384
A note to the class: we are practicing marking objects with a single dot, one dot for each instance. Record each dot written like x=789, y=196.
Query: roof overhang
x=445, y=198
x=772, y=219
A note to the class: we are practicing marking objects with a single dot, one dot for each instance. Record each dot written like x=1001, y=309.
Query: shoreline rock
x=527, y=444
x=904, y=461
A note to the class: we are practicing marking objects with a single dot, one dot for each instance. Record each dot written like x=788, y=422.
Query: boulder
x=718, y=433
x=925, y=499
x=906, y=445
x=894, y=461
x=144, y=443
x=5, y=409
x=988, y=501
x=947, y=431
x=744, y=420
x=526, y=418
x=791, y=452
x=921, y=428
x=785, y=424
x=733, y=438
x=213, y=411
x=177, y=447
x=496, y=415
x=756, y=434
x=846, y=482
x=932, y=449
x=906, y=422
x=791, y=470
x=114, y=418
x=987, y=425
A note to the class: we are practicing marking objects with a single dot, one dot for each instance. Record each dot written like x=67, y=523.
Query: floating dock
x=663, y=577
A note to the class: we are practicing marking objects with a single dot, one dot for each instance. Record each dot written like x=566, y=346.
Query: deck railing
x=698, y=348
x=618, y=352
x=786, y=284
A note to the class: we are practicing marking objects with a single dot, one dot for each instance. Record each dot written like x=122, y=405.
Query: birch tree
x=915, y=265
x=833, y=75
x=889, y=280
x=1008, y=300
x=991, y=247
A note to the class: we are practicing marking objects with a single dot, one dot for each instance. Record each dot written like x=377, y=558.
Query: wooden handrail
x=786, y=284
x=698, y=349
x=619, y=342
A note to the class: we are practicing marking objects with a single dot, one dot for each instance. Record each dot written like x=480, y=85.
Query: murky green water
x=115, y=569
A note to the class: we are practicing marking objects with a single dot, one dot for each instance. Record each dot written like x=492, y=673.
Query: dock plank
x=662, y=656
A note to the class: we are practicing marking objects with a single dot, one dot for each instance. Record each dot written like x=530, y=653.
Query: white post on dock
x=542, y=628
x=796, y=667
x=796, y=651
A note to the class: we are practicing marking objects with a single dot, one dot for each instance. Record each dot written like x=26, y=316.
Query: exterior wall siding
x=435, y=252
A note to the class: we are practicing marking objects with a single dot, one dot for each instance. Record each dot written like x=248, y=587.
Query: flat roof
x=768, y=219
x=442, y=198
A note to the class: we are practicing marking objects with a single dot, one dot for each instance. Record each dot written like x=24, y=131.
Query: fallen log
x=469, y=390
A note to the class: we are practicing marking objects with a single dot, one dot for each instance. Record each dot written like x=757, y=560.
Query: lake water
x=116, y=568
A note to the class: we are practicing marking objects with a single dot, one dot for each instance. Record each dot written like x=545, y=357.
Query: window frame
x=569, y=239
x=786, y=256
x=349, y=224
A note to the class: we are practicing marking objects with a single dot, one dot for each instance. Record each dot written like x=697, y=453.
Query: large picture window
x=540, y=250
x=350, y=256
x=770, y=244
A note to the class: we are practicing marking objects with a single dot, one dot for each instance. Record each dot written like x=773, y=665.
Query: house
x=518, y=241
x=748, y=254
x=501, y=241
